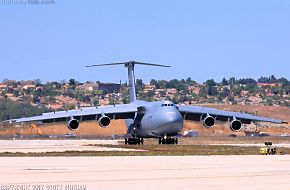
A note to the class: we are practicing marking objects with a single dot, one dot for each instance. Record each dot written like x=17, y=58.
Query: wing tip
x=10, y=121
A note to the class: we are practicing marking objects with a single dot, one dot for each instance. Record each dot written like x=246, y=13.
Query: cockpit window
x=163, y=105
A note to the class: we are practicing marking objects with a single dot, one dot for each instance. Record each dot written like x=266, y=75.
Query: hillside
x=29, y=98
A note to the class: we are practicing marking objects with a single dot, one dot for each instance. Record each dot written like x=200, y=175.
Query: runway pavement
x=39, y=146
x=173, y=172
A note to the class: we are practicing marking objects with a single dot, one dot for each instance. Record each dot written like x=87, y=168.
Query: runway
x=42, y=146
x=157, y=172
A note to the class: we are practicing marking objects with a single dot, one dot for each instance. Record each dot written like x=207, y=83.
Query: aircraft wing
x=195, y=113
x=125, y=111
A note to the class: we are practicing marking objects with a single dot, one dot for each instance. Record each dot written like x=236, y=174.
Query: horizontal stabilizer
x=131, y=76
x=129, y=62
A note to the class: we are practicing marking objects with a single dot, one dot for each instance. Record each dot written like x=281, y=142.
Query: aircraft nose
x=173, y=117
x=173, y=121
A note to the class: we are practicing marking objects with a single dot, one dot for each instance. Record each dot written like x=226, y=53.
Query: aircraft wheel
x=126, y=141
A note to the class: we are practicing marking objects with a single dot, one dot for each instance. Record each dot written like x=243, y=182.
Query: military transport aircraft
x=160, y=119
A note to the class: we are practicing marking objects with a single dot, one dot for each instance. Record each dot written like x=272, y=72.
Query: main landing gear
x=168, y=140
x=134, y=141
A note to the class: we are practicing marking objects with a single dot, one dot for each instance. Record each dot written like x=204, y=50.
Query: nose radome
x=173, y=120
x=172, y=117
x=169, y=123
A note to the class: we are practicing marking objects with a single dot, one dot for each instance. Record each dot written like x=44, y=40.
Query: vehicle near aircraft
x=159, y=119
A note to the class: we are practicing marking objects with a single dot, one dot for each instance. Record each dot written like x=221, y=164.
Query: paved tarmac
x=41, y=146
x=157, y=172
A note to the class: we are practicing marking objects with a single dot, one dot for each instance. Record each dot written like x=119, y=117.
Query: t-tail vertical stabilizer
x=131, y=75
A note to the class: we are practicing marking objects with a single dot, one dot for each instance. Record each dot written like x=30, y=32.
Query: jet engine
x=104, y=121
x=209, y=121
x=73, y=124
x=236, y=125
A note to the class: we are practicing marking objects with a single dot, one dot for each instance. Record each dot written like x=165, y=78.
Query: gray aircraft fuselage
x=155, y=119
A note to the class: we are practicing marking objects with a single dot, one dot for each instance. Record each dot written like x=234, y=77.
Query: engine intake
x=104, y=121
x=209, y=121
x=236, y=125
x=73, y=124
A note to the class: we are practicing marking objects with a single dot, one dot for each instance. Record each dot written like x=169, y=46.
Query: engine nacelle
x=236, y=125
x=73, y=124
x=104, y=121
x=209, y=121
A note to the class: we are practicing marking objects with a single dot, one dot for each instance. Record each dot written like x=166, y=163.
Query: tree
x=225, y=93
x=225, y=82
x=37, y=82
x=154, y=82
x=150, y=94
x=190, y=82
x=272, y=79
x=139, y=85
x=96, y=101
x=210, y=83
x=72, y=82
x=231, y=99
x=125, y=100
x=285, y=82
x=11, y=110
x=212, y=91
x=232, y=81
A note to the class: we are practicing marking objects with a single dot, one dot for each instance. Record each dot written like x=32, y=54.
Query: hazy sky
x=201, y=39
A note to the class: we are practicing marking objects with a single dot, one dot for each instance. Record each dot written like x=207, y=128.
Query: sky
x=204, y=39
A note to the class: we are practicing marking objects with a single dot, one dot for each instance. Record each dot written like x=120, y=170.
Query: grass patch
x=154, y=150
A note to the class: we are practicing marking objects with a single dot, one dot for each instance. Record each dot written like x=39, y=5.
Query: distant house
x=3, y=86
x=255, y=100
x=171, y=91
x=12, y=97
x=29, y=86
x=84, y=105
x=194, y=89
x=65, y=100
x=88, y=87
x=244, y=93
x=8, y=95
x=149, y=87
x=104, y=102
x=55, y=106
x=266, y=84
x=109, y=87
